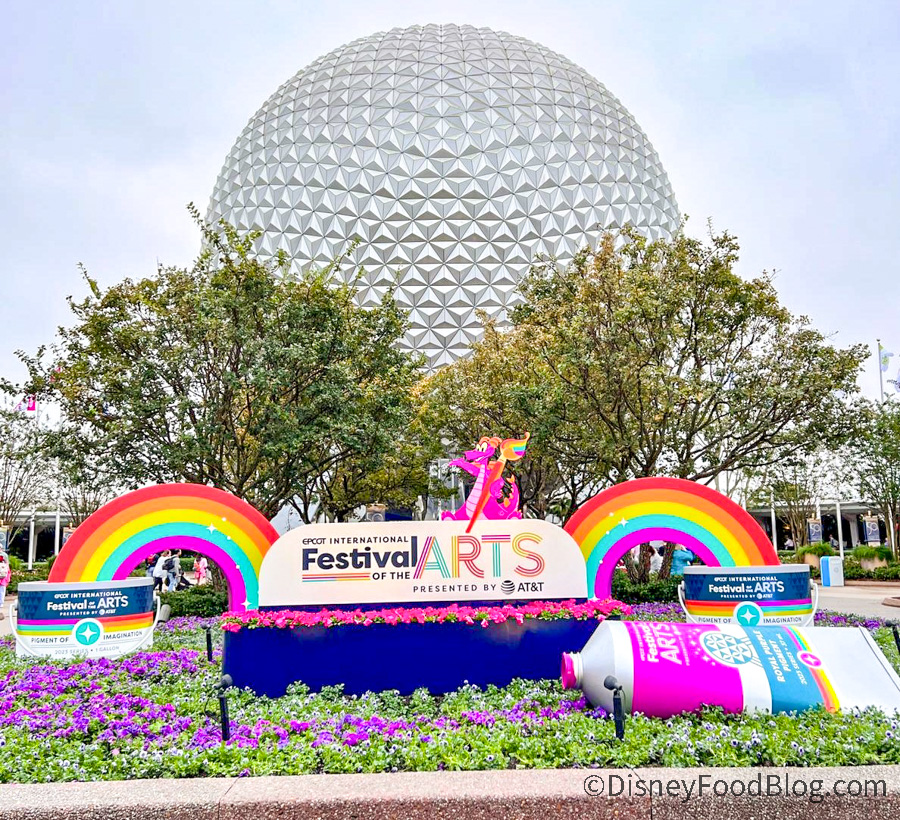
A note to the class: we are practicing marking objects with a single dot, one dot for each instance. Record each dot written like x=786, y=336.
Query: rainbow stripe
x=190, y=517
x=829, y=696
x=64, y=626
x=513, y=449
x=710, y=524
x=438, y=561
x=322, y=576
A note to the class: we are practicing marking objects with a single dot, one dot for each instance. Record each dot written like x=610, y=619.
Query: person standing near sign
x=656, y=559
x=680, y=559
x=5, y=575
x=173, y=567
x=158, y=572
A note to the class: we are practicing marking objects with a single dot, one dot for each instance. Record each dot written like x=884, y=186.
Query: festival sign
x=750, y=596
x=411, y=561
x=100, y=619
x=483, y=551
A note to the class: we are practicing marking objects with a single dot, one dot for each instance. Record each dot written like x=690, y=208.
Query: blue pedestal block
x=439, y=657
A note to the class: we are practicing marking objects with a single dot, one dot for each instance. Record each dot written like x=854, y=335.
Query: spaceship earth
x=455, y=154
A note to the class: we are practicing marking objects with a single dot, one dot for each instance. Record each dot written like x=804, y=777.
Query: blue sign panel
x=99, y=619
x=748, y=595
x=814, y=530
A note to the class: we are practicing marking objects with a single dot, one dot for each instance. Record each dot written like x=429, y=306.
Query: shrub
x=872, y=552
x=821, y=549
x=853, y=570
x=656, y=589
x=22, y=575
x=201, y=601
x=888, y=573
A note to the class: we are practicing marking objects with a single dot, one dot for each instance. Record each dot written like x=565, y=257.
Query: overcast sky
x=778, y=121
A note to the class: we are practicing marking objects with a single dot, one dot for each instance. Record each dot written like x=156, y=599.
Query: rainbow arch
x=718, y=531
x=191, y=517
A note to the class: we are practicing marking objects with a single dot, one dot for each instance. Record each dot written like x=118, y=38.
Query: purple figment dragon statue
x=502, y=499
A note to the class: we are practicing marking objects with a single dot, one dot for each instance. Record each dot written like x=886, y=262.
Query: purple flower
x=353, y=738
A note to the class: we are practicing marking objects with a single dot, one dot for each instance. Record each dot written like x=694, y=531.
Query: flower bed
x=406, y=648
x=153, y=715
x=453, y=614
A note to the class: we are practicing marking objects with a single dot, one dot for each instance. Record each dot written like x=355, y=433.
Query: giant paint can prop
x=669, y=668
x=749, y=596
x=102, y=619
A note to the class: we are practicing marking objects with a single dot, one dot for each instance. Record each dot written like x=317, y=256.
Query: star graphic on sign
x=748, y=613
x=86, y=634
x=212, y=529
x=623, y=522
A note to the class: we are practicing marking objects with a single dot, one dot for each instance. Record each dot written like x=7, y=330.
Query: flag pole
x=880, y=377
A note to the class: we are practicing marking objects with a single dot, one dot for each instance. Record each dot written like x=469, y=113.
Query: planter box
x=439, y=657
x=871, y=564
x=812, y=560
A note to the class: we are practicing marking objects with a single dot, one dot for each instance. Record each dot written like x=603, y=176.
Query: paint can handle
x=814, y=594
x=688, y=617
x=14, y=626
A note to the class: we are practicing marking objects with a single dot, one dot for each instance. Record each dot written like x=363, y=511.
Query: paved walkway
x=861, y=599
x=4, y=624
x=564, y=794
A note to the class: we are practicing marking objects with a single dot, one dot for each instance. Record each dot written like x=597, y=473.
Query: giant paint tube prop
x=749, y=596
x=669, y=668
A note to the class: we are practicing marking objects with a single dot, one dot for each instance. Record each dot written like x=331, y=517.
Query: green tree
x=795, y=484
x=84, y=475
x=502, y=388
x=670, y=363
x=233, y=373
x=24, y=466
x=874, y=460
x=399, y=479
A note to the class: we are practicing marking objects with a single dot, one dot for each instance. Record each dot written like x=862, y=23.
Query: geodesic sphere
x=455, y=154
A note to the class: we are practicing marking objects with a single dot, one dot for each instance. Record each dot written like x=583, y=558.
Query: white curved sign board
x=422, y=561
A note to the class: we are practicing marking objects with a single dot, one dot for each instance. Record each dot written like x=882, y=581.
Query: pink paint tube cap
x=569, y=678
